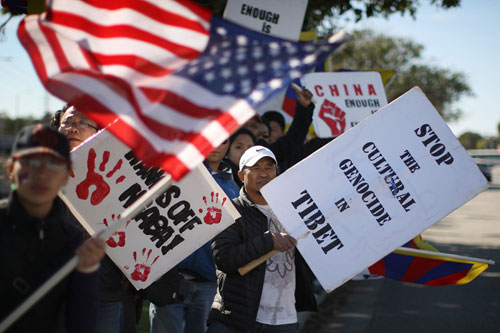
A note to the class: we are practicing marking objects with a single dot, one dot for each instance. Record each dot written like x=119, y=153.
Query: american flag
x=179, y=79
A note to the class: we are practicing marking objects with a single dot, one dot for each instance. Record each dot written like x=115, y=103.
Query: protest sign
x=279, y=18
x=374, y=188
x=343, y=99
x=107, y=178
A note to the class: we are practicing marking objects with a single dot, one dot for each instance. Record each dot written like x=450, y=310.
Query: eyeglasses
x=82, y=125
x=35, y=164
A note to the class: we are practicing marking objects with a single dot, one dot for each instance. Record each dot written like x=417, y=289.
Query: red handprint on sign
x=118, y=238
x=333, y=116
x=142, y=271
x=102, y=188
x=214, y=214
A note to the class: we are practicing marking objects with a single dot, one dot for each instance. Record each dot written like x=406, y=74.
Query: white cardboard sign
x=279, y=18
x=108, y=178
x=373, y=188
x=343, y=99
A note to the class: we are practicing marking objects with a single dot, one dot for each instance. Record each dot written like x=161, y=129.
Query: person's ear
x=67, y=176
x=240, y=175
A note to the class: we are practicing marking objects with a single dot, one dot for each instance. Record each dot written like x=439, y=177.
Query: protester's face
x=253, y=125
x=240, y=144
x=218, y=153
x=77, y=127
x=255, y=177
x=276, y=131
x=38, y=177
x=264, y=132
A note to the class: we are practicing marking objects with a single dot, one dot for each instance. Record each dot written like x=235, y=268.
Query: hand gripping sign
x=374, y=188
x=107, y=178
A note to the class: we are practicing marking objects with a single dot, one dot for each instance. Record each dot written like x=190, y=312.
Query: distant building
x=6, y=141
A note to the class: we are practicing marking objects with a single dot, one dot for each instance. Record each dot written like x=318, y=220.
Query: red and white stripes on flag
x=120, y=59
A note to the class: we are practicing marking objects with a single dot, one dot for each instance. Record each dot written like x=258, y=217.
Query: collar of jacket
x=246, y=199
x=18, y=217
x=224, y=168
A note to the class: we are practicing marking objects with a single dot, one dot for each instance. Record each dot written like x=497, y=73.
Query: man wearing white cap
x=267, y=298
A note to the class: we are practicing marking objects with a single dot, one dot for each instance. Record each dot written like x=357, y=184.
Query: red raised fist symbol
x=214, y=213
x=333, y=116
x=142, y=271
x=102, y=188
x=118, y=238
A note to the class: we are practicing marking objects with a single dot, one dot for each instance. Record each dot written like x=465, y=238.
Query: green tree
x=369, y=50
x=13, y=125
x=470, y=140
x=488, y=143
x=319, y=10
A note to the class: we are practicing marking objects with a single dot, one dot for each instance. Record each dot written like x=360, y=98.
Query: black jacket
x=295, y=136
x=113, y=285
x=31, y=250
x=303, y=151
x=237, y=300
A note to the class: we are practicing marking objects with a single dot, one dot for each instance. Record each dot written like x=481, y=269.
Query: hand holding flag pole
x=161, y=186
x=254, y=263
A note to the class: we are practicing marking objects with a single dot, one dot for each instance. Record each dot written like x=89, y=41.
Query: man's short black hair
x=55, y=122
x=242, y=130
x=275, y=116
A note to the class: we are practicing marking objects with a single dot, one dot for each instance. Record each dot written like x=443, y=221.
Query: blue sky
x=465, y=39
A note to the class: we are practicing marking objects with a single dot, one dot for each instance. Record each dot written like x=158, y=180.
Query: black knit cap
x=41, y=139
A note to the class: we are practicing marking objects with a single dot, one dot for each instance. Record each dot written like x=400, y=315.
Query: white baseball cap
x=254, y=154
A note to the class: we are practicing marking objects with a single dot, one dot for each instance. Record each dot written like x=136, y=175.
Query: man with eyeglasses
x=119, y=303
x=36, y=239
x=74, y=125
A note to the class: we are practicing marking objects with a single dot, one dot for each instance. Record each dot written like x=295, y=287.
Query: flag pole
x=405, y=250
x=254, y=263
x=243, y=270
x=135, y=208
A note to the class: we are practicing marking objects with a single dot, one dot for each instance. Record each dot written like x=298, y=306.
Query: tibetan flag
x=428, y=267
x=178, y=79
x=290, y=100
x=419, y=243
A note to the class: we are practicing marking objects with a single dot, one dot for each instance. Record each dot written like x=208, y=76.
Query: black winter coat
x=31, y=250
x=237, y=300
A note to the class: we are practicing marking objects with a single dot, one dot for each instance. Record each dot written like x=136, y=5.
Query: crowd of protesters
x=215, y=296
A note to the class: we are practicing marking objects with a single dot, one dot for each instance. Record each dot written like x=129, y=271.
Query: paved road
x=391, y=306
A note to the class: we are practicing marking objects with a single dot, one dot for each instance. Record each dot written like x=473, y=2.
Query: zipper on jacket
x=41, y=228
